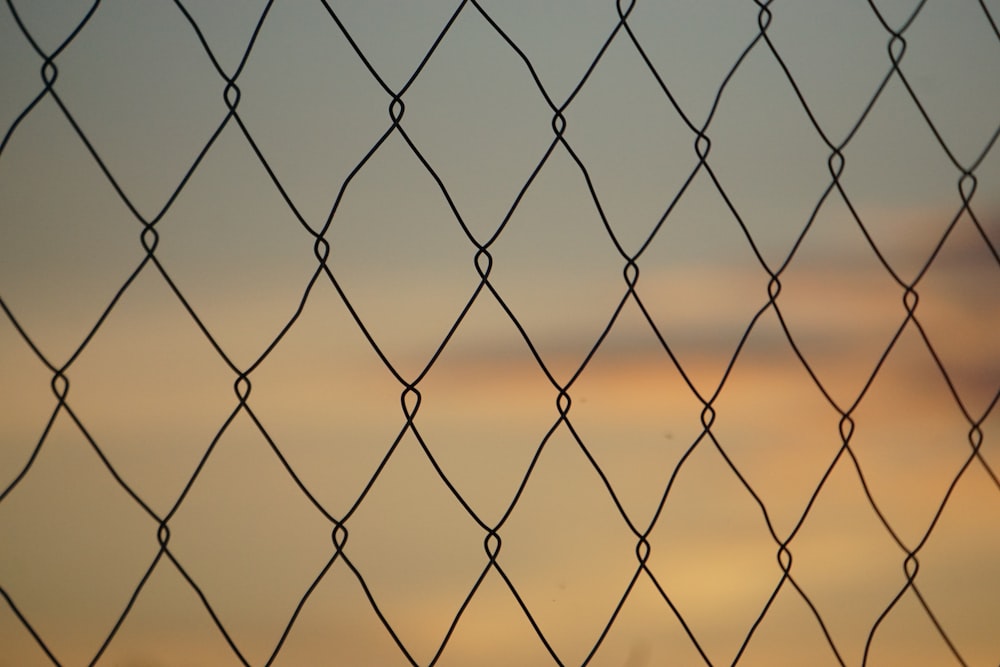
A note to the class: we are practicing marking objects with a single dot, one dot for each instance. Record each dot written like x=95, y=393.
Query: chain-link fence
x=633, y=333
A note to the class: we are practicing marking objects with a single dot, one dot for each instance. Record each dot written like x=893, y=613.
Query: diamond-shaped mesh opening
x=167, y=97
x=80, y=552
x=455, y=116
x=494, y=333
x=699, y=284
x=840, y=305
x=485, y=411
x=950, y=297
x=712, y=554
x=885, y=199
x=201, y=235
x=948, y=88
x=328, y=401
x=636, y=414
x=116, y=375
x=310, y=148
x=40, y=232
x=841, y=537
x=760, y=121
x=565, y=240
x=835, y=82
x=230, y=560
x=767, y=380
x=399, y=255
x=921, y=442
x=569, y=563
x=632, y=141
x=672, y=35
x=403, y=537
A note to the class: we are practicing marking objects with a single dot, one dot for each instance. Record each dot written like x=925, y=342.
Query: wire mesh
x=329, y=259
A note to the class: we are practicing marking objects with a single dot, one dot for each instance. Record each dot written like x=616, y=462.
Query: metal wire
x=481, y=252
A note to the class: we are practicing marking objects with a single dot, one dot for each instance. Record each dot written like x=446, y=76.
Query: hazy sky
x=153, y=393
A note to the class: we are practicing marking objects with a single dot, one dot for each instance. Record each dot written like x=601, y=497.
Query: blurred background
x=727, y=393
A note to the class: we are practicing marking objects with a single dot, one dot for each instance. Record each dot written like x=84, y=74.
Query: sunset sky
x=153, y=393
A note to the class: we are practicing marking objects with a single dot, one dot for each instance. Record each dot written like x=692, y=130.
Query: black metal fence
x=712, y=288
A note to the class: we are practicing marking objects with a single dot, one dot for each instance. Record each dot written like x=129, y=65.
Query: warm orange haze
x=487, y=358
